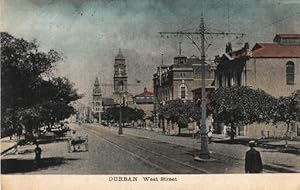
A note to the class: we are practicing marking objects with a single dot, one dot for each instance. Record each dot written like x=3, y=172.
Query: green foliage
x=128, y=114
x=287, y=109
x=29, y=95
x=241, y=106
x=180, y=112
x=22, y=67
x=57, y=94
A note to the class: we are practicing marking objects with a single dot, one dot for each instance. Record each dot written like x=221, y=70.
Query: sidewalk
x=272, y=158
x=7, y=144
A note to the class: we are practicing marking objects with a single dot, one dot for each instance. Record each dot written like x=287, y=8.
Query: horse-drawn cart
x=78, y=144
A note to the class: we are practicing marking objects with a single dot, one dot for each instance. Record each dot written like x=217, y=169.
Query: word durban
x=143, y=178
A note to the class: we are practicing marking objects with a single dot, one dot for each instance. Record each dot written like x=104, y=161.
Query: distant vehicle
x=46, y=137
x=127, y=125
x=104, y=123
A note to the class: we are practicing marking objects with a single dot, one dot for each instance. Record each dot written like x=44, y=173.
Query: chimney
x=228, y=48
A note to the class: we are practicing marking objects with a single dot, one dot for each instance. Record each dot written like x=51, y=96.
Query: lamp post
x=120, y=114
x=100, y=110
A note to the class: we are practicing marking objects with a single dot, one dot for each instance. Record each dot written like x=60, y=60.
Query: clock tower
x=97, y=100
x=120, y=75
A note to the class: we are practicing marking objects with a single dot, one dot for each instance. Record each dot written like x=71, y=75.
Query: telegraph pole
x=204, y=153
x=120, y=117
x=100, y=110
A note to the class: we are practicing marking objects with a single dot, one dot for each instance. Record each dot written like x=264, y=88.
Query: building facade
x=178, y=80
x=145, y=101
x=272, y=67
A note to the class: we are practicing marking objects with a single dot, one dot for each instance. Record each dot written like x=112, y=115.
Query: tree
x=30, y=96
x=128, y=114
x=236, y=106
x=180, y=112
x=57, y=94
x=286, y=110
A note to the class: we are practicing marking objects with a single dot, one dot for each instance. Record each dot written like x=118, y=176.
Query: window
x=290, y=73
x=220, y=80
x=183, y=92
x=239, y=79
x=229, y=80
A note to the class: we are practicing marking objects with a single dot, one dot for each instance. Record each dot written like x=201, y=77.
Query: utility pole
x=100, y=110
x=204, y=153
x=156, y=102
x=120, y=116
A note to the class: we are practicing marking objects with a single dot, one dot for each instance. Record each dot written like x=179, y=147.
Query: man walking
x=253, y=163
x=38, y=152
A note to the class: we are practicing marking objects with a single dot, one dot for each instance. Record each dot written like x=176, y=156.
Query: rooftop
x=275, y=50
x=145, y=93
x=120, y=55
x=288, y=36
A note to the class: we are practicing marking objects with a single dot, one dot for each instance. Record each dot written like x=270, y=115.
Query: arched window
x=183, y=91
x=290, y=73
x=121, y=86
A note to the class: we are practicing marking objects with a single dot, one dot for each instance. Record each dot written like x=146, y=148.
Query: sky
x=89, y=33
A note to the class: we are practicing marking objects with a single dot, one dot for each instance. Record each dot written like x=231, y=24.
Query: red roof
x=145, y=93
x=275, y=50
x=288, y=35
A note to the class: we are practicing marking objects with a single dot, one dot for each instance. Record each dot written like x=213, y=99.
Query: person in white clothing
x=209, y=135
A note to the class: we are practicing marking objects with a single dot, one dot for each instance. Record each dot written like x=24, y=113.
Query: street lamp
x=122, y=96
x=100, y=110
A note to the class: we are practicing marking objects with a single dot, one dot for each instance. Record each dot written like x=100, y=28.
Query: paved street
x=103, y=157
x=274, y=161
x=109, y=154
x=136, y=152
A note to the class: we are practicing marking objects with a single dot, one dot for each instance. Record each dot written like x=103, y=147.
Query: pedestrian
x=253, y=163
x=209, y=135
x=73, y=140
x=11, y=131
x=38, y=152
x=19, y=133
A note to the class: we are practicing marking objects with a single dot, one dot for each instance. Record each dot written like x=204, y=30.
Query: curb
x=266, y=165
x=8, y=149
x=281, y=169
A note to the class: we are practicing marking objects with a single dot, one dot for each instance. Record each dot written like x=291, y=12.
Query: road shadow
x=279, y=169
x=243, y=141
x=263, y=143
x=290, y=150
x=10, y=166
x=185, y=135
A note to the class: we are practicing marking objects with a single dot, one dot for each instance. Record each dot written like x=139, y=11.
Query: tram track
x=137, y=148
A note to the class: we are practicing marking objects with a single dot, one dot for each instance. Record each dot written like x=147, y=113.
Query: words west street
x=142, y=178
